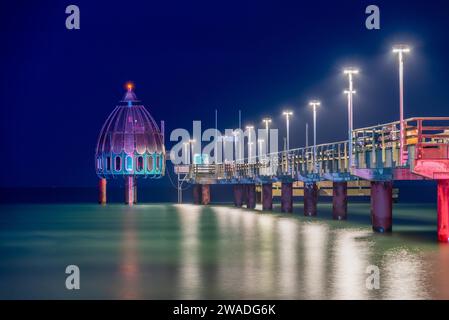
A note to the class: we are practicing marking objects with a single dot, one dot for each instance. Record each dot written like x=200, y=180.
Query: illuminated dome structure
x=130, y=145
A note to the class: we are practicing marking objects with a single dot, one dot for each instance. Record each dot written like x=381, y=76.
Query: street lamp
x=400, y=50
x=314, y=104
x=287, y=115
x=249, y=128
x=350, y=72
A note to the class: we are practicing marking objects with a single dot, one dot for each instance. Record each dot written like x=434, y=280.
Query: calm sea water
x=164, y=251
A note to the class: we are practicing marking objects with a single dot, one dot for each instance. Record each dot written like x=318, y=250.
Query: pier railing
x=375, y=147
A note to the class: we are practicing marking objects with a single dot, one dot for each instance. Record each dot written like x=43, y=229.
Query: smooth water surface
x=164, y=251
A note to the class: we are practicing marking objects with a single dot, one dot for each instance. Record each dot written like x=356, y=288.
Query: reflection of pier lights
x=403, y=276
x=351, y=256
x=314, y=240
x=287, y=240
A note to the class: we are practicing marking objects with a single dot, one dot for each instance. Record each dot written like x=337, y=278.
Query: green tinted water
x=188, y=252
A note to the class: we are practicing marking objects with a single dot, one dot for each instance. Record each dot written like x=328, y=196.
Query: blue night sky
x=188, y=58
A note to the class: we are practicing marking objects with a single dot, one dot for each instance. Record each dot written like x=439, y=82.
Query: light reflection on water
x=350, y=260
x=272, y=256
x=217, y=252
x=129, y=265
x=190, y=277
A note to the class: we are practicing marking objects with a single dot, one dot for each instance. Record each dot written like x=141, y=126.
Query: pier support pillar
x=205, y=194
x=130, y=197
x=196, y=194
x=102, y=191
x=340, y=200
x=310, y=199
x=251, y=196
x=382, y=206
x=238, y=195
x=287, y=197
x=267, y=196
x=443, y=210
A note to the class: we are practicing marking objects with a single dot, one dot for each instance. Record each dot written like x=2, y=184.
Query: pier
x=378, y=157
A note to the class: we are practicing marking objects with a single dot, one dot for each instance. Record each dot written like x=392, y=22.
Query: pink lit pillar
x=205, y=194
x=443, y=210
x=129, y=190
x=102, y=191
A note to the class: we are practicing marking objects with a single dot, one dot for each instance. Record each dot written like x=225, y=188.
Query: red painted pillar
x=382, y=206
x=340, y=200
x=310, y=199
x=287, y=197
x=102, y=191
x=197, y=194
x=267, y=196
x=238, y=195
x=205, y=194
x=251, y=203
x=129, y=190
x=443, y=210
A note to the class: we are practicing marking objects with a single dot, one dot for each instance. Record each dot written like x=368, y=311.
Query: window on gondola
x=157, y=163
x=150, y=162
x=108, y=163
x=129, y=163
x=139, y=164
x=118, y=163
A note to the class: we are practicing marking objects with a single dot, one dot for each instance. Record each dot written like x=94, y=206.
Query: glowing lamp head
x=401, y=49
x=266, y=120
x=351, y=71
x=314, y=103
x=287, y=113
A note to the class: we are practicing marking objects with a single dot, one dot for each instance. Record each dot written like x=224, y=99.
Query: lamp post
x=400, y=50
x=350, y=72
x=314, y=104
x=287, y=115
